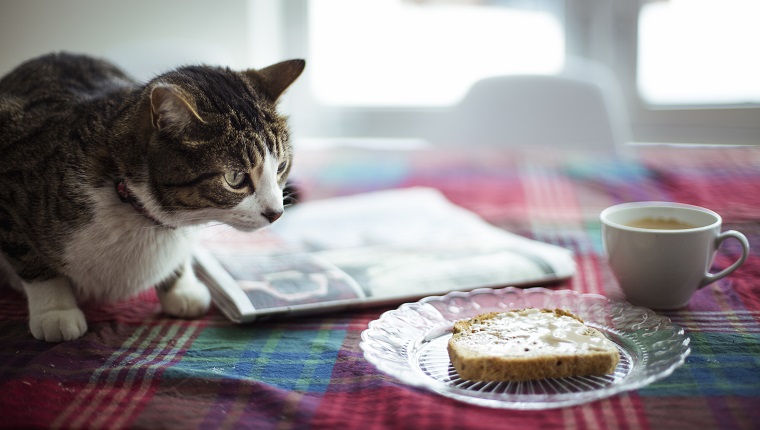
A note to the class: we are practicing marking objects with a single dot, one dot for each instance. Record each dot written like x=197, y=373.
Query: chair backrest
x=582, y=106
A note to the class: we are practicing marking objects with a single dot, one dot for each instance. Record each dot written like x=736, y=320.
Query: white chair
x=581, y=106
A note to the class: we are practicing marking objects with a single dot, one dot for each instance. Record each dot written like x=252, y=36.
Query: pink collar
x=126, y=197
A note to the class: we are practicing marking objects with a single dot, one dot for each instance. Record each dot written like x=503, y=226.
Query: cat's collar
x=126, y=197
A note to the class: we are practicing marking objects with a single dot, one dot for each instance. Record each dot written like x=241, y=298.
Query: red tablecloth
x=137, y=368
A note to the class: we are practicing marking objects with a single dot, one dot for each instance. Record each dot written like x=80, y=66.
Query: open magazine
x=368, y=249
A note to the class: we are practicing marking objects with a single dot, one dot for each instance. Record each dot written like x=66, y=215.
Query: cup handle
x=709, y=277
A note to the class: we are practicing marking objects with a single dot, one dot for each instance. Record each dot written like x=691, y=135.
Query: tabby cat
x=104, y=181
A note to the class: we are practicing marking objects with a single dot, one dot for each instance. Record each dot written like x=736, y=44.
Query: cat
x=104, y=181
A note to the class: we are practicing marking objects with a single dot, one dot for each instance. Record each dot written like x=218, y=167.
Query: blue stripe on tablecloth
x=721, y=364
x=291, y=359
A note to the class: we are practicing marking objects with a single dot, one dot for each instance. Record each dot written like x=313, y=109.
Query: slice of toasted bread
x=529, y=344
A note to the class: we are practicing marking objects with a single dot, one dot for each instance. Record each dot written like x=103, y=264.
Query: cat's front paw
x=188, y=298
x=58, y=325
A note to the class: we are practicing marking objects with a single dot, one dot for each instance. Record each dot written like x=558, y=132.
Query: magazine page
x=246, y=287
x=331, y=254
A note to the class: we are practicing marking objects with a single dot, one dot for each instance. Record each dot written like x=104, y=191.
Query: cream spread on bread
x=532, y=332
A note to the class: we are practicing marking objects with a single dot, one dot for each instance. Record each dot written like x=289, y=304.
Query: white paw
x=58, y=325
x=188, y=298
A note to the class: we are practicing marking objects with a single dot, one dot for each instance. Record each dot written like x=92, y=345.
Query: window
x=699, y=52
x=402, y=53
x=380, y=68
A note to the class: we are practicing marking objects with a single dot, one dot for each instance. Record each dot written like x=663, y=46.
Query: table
x=136, y=368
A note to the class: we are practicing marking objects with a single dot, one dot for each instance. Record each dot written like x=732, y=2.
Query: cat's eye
x=235, y=179
x=282, y=166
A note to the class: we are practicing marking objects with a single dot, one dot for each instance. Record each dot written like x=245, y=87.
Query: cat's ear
x=276, y=78
x=170, y=110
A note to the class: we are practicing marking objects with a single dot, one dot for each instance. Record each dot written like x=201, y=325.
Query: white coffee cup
x=661, y=252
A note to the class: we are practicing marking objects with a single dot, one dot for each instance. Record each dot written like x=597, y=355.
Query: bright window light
x=394, y=53
x=699, y=52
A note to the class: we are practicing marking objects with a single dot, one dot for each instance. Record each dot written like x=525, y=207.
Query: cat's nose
x=272, y=215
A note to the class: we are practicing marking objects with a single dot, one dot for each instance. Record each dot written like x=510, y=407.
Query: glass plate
x=410, y=342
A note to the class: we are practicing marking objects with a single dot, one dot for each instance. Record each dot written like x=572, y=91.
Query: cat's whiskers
x=217, y=230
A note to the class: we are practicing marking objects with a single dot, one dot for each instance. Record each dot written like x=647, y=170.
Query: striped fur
x=71, y=126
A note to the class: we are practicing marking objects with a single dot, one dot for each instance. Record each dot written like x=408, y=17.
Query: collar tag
x=123, y=192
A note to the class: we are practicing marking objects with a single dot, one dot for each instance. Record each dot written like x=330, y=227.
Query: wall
x=144, y=37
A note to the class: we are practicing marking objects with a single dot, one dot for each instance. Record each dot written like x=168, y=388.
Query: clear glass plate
x=409, y=343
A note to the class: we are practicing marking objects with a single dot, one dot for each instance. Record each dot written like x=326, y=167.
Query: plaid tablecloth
x=137, y=368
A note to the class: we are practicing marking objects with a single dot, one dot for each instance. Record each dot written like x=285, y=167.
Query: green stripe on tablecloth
x=720, y=364
x=124, y=380
x=290, y=359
